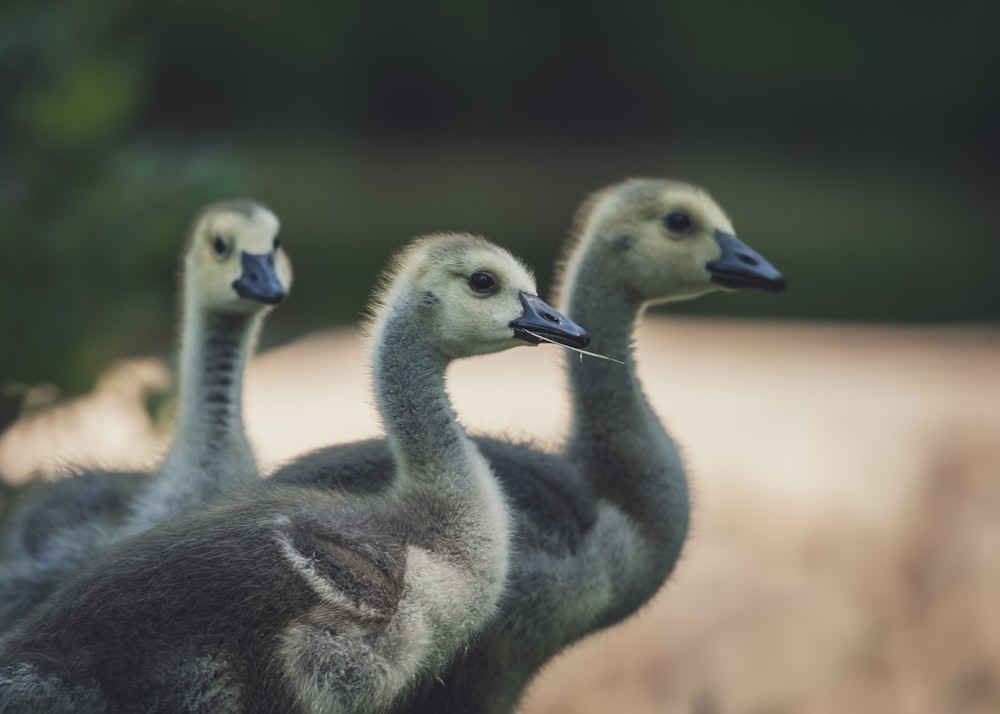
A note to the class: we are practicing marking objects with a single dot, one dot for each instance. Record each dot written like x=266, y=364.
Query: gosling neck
x=604, y=391
x=616, y=438
x=215, y=348
x=409, y=376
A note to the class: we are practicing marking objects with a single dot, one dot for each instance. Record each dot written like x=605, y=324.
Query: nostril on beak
x=550, y=317
x=748, y=259
x=254, y=278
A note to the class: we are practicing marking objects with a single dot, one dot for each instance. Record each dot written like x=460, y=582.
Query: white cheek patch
x=220, y=289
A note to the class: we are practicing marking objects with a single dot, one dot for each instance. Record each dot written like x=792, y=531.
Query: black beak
x=542, y=319
x=259, y=281
x=740, y=266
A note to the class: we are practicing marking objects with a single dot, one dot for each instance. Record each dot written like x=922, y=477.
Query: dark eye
x=277, y=243
x=219, y=246
x=678, y=222
x=483, y=283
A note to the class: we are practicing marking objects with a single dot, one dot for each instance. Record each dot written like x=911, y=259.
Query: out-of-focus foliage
x=91, y=212
x=854, y=145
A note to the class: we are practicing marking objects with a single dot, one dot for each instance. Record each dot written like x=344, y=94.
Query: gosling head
x=234, y=261
x=469, y=297
x=668, y=240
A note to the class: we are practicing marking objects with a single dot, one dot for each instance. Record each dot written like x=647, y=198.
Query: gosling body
x=234, y=271
x=600, y=525
x=305, y=598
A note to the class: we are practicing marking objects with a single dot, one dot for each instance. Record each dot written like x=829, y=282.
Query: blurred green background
x=855, y=145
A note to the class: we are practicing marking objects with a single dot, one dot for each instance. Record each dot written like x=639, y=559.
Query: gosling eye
x=678, y=221
x=277, y=243
x=482, y=282
x=220, y=246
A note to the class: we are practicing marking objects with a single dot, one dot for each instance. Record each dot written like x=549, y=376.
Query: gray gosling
x=298, y=598
x=601, y=525
x=233, y=272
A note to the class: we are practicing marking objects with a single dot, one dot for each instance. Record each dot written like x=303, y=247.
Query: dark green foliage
x=854, y=146
x=91, y=214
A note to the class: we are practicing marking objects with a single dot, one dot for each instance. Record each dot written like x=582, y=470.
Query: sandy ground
x=846, y=546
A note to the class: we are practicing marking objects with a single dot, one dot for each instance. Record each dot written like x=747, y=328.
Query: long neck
x=454, y=510
x=210, y=451
x=616, y=437
x=604, y=392
x=215, y=348
x=420, y=424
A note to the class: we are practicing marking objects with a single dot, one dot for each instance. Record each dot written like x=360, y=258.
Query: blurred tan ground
x=846, y=546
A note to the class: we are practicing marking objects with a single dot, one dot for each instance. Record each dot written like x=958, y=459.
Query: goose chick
x=234, y=271
x=601, y=524
x=639, y=243
x=298, y=598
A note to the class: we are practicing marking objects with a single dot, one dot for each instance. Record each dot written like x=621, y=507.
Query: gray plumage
x=298, y=597
x=600, y=526
x=65, y=524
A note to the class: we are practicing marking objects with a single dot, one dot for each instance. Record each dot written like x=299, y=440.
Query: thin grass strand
x=574, y=349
